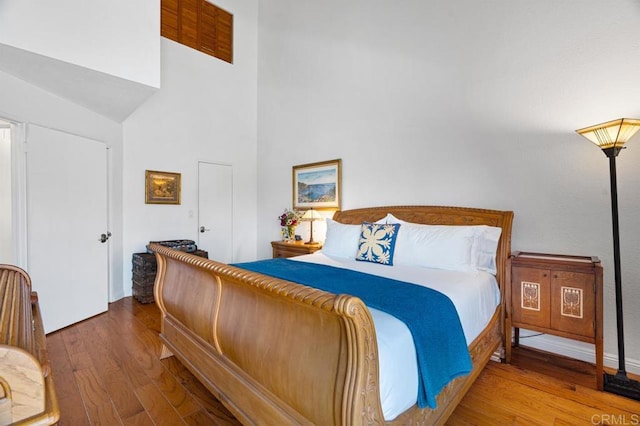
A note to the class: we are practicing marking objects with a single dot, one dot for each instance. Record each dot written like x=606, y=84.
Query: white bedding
x=474, y=294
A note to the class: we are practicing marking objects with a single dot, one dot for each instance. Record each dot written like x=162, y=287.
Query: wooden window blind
x=200, y=25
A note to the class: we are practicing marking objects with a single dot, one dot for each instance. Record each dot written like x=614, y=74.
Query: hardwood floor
x=107, y=372
x=542, y=389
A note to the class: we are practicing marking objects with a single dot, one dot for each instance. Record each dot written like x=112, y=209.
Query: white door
x=215, y=210
x=66, y=215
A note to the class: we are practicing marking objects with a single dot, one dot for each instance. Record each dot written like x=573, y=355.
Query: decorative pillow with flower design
x=377, y=242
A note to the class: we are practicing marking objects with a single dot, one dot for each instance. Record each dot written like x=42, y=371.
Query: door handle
x=203, y=229
x=104, y=237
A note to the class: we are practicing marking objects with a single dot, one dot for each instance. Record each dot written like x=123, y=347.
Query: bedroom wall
x=461, y=103
x=205, y=110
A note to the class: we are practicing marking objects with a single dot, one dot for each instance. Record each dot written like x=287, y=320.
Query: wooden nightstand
x=295, y=248
x=555, y=294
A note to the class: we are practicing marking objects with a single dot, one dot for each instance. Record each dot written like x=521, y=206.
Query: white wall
x=117, y=37
x=461, y=103
x=24, y=103
x=205, y=110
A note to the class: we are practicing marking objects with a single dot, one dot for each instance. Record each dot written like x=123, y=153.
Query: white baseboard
x=574, y=349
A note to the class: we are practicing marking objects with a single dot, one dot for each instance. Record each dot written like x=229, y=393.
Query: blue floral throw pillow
x=377, y=242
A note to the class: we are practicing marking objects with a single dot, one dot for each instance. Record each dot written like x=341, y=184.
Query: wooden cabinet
x=294, y=248
x=555, y=294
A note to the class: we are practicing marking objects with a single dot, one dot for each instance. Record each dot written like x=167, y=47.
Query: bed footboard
x=272, y=351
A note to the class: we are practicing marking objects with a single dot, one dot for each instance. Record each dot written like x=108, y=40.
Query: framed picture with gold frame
x=317, y=185
x=161, y=187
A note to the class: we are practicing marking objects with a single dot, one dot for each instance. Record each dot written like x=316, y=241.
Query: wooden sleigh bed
x=275, y=352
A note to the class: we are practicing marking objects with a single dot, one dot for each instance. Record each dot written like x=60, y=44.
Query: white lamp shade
x=311, y=214
x=612, y=134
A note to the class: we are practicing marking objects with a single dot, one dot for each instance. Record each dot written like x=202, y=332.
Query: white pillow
x=341, y=240
x=483, y=242
x=485, y=247
x=434, y=246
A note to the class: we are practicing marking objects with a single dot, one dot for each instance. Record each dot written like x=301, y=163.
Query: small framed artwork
x=161, y=187
x=317, y=185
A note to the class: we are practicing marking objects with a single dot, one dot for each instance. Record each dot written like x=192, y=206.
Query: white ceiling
x=105, y=94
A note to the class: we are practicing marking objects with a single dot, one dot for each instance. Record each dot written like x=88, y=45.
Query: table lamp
x=311, y=215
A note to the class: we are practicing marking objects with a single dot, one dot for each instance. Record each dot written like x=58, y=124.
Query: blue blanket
x=441, y=347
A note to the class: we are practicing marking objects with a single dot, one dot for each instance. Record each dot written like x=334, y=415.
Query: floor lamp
x=611, y=137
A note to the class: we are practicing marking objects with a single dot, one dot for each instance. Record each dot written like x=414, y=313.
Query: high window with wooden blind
x=199, y=25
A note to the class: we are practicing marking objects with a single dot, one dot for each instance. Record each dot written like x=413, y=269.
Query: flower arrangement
x=290, y=218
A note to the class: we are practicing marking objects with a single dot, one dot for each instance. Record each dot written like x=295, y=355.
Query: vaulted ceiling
x=113, y=97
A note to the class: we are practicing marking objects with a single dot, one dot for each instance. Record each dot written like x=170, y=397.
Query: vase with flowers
x=288, y=221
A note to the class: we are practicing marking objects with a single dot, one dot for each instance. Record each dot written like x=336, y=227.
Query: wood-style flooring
x=107, y=372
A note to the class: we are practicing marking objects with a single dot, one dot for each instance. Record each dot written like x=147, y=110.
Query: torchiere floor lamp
x=611, y=137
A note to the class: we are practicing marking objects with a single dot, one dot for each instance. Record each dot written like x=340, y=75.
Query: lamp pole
x=612, y=153
x=619, y=383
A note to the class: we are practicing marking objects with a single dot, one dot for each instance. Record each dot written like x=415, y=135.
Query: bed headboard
x=438, y=215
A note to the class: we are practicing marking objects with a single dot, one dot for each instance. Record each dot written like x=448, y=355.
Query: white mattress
x=474, y=294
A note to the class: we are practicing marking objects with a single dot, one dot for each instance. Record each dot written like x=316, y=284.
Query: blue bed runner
x=441, y=347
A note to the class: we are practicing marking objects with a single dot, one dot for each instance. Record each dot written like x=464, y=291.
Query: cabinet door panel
x=573, y=302
x=530, y=298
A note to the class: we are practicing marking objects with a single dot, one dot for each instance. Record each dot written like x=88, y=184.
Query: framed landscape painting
x=317, y=185
x=162, y=187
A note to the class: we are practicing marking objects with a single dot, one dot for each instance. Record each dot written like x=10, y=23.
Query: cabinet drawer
x=291, y=249
x=287, y=253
